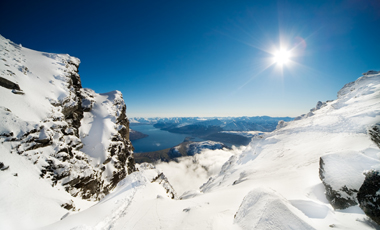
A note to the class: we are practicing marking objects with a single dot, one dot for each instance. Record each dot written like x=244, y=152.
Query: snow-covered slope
x=272, y=184
x=62, y=147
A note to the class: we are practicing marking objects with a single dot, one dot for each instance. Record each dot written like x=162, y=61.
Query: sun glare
x=281, y=57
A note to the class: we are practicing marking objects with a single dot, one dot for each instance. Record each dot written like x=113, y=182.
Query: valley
x=166, y=133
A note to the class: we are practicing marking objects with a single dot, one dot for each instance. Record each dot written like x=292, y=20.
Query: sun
x=281, y=57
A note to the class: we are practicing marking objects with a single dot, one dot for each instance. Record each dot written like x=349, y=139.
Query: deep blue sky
x=205, y=58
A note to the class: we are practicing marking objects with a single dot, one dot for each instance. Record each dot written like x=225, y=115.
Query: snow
x=34, y=82
x=97, y=128
x=346, y=168
x=30, y=198
x=248, y=134
x=36, y=198
x=273, y=183
x=265, y=209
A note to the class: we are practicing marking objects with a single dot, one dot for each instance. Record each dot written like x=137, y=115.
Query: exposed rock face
x=309, y=114
x=8, y=84
x=370, y=72
x=121, y=147
x=369, y=193
x=163, y=180
x=340, y=197
x=369, y=196
x=51, y=140
x=159, y=178
x=374, y=133
x=342, y=175
x=61, y=136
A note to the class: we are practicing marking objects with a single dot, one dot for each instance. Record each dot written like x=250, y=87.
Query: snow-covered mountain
x=62, y=147
x=280, y=181
x=259, y=123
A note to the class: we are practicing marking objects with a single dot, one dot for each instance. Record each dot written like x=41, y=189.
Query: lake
x=157, y=140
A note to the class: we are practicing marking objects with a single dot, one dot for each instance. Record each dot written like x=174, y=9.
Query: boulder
x=8, y=84
x=369, y=195
x=374, y=133
x=342, y=175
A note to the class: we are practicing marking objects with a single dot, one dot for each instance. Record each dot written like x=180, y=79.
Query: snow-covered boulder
x=281, y=124
x=342, y=176
x=369, y=195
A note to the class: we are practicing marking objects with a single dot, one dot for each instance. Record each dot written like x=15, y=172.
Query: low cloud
x=189, y=173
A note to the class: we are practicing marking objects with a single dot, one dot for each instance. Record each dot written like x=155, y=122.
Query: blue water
x=157, y=139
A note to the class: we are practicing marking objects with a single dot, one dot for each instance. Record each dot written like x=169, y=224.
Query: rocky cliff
x=75, y=138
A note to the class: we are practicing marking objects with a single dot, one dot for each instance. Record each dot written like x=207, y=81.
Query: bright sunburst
x=281, y=57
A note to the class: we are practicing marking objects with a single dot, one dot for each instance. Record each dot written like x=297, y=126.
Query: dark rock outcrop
x=163, y=180
x=72, y=105
x=69, y=206
x=318, y=106
x=121, y=146
x=54, y=144
x=340, y=198
x=3, y=167
x=374, y=133
x=369, y=195
x=8, y=84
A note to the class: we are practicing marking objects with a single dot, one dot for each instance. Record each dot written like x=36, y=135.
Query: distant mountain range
x=258, y=123
x=213, y=128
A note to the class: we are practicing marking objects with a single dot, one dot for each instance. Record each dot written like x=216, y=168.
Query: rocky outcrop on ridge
x=50, y=125
x=344, y=173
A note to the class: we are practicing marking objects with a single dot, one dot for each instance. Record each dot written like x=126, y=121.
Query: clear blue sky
x=205, y=58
